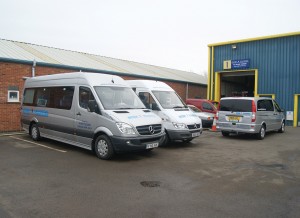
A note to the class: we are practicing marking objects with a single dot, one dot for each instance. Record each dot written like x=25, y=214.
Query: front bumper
x=183, y=134
x=124, y=144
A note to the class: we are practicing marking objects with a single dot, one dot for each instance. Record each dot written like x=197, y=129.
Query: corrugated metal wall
x=277, y=61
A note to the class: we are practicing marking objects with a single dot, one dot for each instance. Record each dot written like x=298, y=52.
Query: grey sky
x=167, y=33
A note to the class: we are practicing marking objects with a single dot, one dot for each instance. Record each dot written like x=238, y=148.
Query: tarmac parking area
x=213, y=176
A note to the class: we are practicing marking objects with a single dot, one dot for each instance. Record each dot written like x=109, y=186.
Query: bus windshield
x=169, y=100
x=114, y=98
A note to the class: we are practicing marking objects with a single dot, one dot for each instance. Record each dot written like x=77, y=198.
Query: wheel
x=225, y=133
x=103, y=147
x=166, y=140
x=262, y=133
x=282, y=128
x=35, y=132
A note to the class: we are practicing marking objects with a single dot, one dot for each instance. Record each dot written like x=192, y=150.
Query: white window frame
x=13, y=99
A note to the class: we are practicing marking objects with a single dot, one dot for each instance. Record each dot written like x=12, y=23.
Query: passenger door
x=148, y=101
x=86, y=121
x=265, y=113
x=278, y=115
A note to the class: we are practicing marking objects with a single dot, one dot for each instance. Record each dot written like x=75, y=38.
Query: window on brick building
x=13, y=96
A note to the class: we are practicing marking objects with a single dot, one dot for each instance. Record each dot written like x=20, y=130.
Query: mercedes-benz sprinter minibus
x=179, y=122
x=90, y=110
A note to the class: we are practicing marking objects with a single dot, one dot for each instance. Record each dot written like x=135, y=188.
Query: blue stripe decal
x=40, y=113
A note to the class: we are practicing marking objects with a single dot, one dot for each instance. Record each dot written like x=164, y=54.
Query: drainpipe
x=33, y=68
x=187, y=91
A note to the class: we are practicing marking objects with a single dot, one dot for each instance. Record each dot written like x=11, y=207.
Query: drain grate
x=150, y=184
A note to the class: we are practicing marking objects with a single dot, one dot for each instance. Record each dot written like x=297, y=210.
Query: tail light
x=253, y=117
x=217, y=115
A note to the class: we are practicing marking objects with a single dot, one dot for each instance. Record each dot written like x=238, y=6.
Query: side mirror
x=93, y=106
x=155, y=107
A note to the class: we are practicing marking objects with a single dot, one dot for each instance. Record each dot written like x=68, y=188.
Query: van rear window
x=237, y=105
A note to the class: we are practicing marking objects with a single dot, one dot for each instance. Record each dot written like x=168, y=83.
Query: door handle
x=78, y=114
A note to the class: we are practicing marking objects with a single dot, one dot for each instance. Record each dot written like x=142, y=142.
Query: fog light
x=128, y=142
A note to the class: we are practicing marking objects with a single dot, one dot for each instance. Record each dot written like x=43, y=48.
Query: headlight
x=125, y=128
x=180, y=126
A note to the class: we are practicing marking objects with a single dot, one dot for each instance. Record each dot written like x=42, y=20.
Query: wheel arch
x=33, y=121
x=100, y=131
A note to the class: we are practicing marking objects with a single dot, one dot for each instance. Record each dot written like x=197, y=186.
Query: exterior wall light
x=233, y=46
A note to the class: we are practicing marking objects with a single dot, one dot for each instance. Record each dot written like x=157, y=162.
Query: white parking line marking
x=44, y=146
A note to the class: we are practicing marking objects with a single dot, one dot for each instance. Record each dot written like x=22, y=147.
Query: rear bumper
x=124, y=144
x=238, y=127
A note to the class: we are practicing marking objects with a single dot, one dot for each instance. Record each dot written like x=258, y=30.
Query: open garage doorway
x=237, y=84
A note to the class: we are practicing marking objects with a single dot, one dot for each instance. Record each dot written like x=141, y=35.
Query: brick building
x=20, y=60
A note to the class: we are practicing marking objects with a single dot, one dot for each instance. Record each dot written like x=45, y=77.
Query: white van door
x=149, y=101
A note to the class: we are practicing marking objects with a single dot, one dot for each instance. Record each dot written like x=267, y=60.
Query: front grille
x=149, y=129
x=194, y=126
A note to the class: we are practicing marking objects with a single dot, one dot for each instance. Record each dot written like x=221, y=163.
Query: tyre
x=282, y=128
x=225, y=133
x=103, y=147
x=262, y=133
x=166, y=140
x=35, y=132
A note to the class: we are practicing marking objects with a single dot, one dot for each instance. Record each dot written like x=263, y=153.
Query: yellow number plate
x=234, y=119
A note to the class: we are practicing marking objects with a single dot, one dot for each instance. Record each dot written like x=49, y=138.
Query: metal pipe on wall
x=187, y=91
x=33, y=68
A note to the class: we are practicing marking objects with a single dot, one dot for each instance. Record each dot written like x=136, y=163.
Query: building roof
x=255, y=39
x=25, y=52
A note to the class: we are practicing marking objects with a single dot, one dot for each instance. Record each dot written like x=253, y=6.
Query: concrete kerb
x=2, y=134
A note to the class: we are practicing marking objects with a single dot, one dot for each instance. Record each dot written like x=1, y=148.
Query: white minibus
x=94, y=111
x=179, y=122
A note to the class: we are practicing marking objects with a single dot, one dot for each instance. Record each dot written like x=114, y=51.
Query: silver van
x=90, y=110
x=250, y=115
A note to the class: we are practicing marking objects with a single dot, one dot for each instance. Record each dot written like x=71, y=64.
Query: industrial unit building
x=20, y=60
x=264, y=66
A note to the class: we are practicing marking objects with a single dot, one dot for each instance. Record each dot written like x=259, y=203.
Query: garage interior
x=237, y=84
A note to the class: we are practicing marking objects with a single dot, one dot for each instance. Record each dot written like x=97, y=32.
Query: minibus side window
x=42, y=97
x=61, y=97
x=51, y=97
x=85, y=95
x=28, y=97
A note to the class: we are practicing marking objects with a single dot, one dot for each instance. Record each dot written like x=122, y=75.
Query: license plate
x=195, y=134
x=234, y=119
x=152, y=145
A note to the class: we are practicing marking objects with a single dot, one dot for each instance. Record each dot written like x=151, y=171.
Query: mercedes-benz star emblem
x=151, y=130
x=195, y=126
